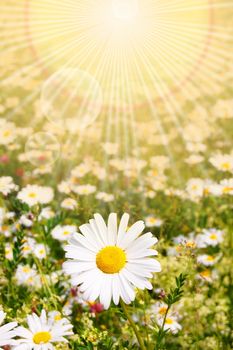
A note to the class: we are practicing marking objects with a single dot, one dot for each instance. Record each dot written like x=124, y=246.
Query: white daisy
x=26, y=220
x=69, y=204
x=158, y=309
x=42, y=332
x=84, y=189
x=33, y=194
x=222, y=162
x=171, y=324
x=152, y=221
x=227, y=186
x=8, y=251
x=117, y=260
x=63, y=233
x=40, y=251
x=212, y=237
x=46, y=213
x=6, y=331
x=105, y=197
x=26, y=275
x=7, y=185
x=207, y=260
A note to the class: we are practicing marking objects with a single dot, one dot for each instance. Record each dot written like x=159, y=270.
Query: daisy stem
x=133, y=325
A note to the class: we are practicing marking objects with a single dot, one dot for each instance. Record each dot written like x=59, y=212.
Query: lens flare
x=42, y=149
x=71, y=97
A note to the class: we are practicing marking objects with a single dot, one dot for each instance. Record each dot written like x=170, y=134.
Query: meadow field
x=116, y=175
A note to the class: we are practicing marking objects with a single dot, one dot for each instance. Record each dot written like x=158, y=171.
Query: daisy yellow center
x=213, y=236
x=26, y=269
x=210, y=258
x=206, y=191
x=205, y=273
x=169, y=321
x=227, y=189
x=42, y=337
x=66, y=233
x=57, y=317
x=226, y=166
x=6, y=133
x=32, y=195
x=111, y=259
x=163, y=310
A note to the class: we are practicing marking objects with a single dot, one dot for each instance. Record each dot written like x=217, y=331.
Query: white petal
x=91, y=236
x=139, y=270
x=101, y=238
x=141, y=254
x=129, y=289
x=134, y=231
x=123, y=227
x=75, y=267
x=81, y=240
x=106, y=291
x=116, y=289
x=138, y=281
x=150, y=264
x=145, y=241
x=112, y=229
x=77, y=253
x=82, y=277
x=124, y=295
x=92, y=293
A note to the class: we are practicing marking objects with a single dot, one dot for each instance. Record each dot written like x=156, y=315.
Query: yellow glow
x=125, y=10
x=123, y=43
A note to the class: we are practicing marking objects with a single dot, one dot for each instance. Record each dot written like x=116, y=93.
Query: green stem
x=161, y=331
x=133, y=325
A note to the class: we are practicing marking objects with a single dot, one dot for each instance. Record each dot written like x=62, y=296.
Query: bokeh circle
x=71, y=97
x=42, y=149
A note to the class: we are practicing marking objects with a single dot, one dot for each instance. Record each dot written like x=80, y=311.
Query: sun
x=125, y=10
x=155, y=44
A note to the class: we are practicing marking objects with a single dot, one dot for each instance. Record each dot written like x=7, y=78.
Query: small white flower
x=158, y=309
x=26, y=221
x=64, y=187
x=207, y=260
x=8, y=251
x=33, y=194
x=195, y=187
x=105, y=197
x=26, y=275
x=84, y=189
x=46, y=213
x=152, y=221
x=43, y=332
x=171, y=324
x=7, y=185
x=212, y=237
x=194, y=159
x=222, y=162
x=69, y=204
x=227, y=186
x=28, y=246
x=207, y=276
x=40, y=251
x=63, y=233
